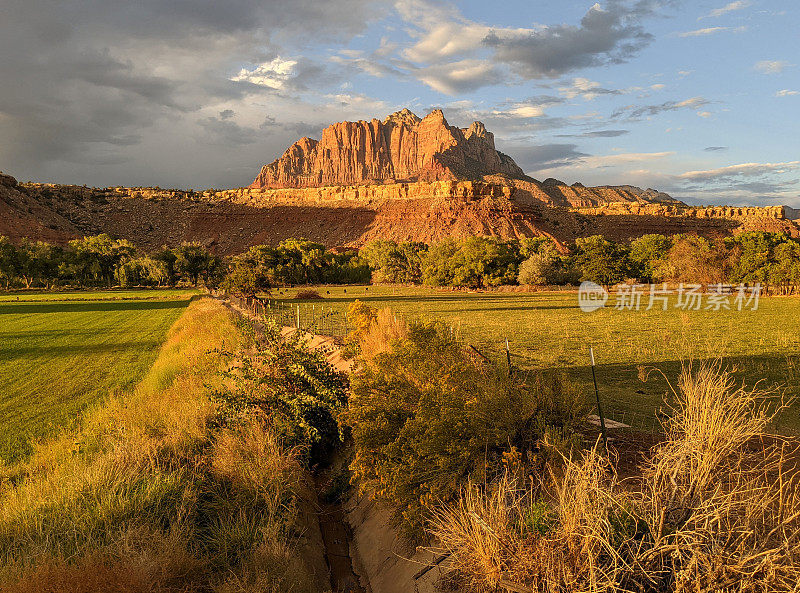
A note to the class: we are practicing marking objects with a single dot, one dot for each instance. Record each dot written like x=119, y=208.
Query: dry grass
x=375, y=330
x=721, y=496
x=385, y=329
x=568, y=543
x=719, y=510
x=147, y=495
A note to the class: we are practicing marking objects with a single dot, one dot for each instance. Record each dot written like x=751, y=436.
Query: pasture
x=62, y=352
x=547, y=330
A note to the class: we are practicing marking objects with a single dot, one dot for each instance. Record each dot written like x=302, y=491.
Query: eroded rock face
x=402, y=147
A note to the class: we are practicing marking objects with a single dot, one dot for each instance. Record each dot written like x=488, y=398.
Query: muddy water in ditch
x=338, y=539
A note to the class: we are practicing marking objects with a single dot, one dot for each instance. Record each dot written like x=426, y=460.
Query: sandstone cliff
x=402, y=147
x=232, y=220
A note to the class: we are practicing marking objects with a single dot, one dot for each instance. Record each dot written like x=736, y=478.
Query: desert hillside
x=403, y=178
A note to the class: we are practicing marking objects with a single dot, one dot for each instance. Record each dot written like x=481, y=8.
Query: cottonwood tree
x=601, y=261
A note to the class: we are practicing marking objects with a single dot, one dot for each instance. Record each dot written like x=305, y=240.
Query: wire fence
x=324, y=319
x=317, y=318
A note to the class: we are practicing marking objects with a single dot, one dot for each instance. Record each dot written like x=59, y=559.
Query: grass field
x=62, y=352
x=98, y=295
x=548, y=330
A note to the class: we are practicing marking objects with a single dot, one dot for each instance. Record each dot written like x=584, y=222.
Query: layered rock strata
x=402, y=147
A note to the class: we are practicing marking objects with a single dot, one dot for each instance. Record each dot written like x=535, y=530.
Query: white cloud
x=453, y=78
x=441, y=31
x=772, y=66
x=524, y=111
x=741, y=170
x=704, y=113
x=608, y=160
x=587, y=89
x=273, y=74
x=786, y=93
x=711, y=31
x=363, y=103
x=733, y=6
x=447, y=40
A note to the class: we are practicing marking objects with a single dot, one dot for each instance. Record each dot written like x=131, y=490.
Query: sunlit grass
x=548, y=330
x=58, y=357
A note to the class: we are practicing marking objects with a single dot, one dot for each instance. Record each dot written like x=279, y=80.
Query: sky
x=697, y=98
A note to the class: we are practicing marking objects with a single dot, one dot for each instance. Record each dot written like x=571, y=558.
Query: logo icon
x=591, y=297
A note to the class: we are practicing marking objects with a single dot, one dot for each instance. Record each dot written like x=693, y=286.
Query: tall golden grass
x=718, y=510
x=148, y=496
x=378, y=336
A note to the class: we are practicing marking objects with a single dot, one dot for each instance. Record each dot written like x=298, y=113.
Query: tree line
x=101, y=261
x=772, y=259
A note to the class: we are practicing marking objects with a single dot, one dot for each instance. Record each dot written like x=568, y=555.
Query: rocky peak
x=404, y=117
x=402, y=147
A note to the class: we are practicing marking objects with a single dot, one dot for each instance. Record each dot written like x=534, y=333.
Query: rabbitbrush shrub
x=427, y=417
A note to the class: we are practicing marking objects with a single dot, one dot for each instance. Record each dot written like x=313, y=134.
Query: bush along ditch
x=427, y=417
x=280, y=381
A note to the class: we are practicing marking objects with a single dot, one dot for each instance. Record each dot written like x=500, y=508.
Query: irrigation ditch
x=363, y=552
x=335, y=531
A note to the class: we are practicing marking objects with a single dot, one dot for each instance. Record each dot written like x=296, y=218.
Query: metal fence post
x=599, y=407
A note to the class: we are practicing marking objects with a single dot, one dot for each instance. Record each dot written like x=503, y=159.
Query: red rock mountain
x=402, y=147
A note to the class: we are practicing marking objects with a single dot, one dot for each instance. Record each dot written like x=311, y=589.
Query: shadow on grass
x=628, y=398
x=428, y=299
x=29, y=308
x=75, y=349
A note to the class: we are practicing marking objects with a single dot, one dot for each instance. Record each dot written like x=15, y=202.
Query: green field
x=61, y=352
x=548, y=330
x=97, y=295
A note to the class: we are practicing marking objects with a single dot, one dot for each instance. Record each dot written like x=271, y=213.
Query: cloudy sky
x=699, y=98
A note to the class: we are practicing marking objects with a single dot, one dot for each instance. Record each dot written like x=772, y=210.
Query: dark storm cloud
x=269, y=122
x=302, y=128
x=606, y=34
x=220, y=130
x=85, y=80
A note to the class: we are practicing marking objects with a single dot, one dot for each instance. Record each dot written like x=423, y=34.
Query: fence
x=324, y=319
x=317, y=318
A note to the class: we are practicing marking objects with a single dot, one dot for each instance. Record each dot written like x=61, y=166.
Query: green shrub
x=472, y=262
x=295, y=388
x=427, y=418
x=537, y=270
